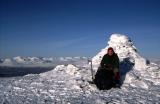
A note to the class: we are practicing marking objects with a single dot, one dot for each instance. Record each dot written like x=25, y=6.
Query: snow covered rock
x=125, y=50
x=19, y=59
x=135, y=70
x=7, y=62
x=69, y=69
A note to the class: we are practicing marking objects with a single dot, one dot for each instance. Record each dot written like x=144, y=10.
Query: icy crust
x=125, y=49
x=67, y=84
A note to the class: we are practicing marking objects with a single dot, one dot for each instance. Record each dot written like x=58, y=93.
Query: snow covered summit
x=69, y=84
x=125, y=50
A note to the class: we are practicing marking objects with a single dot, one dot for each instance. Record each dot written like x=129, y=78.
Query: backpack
x=104, y=79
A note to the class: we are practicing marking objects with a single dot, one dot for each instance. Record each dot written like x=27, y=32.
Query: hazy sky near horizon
x=54, y=28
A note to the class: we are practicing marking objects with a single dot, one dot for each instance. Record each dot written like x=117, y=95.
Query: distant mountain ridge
x=37, y=61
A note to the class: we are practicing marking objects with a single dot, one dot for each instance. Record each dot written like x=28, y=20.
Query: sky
x=55, y=28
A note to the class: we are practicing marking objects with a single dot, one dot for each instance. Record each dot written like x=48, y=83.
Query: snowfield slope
x=68, y=84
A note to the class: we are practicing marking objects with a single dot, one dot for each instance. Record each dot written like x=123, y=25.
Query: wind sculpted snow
x=68, y=84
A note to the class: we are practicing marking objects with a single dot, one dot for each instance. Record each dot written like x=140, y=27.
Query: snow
x=20, y=61
x=69, y=83
x=69, y=69
x=124, y=48
x=7, y=62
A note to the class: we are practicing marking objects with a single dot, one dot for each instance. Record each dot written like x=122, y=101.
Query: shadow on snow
x=125, y=66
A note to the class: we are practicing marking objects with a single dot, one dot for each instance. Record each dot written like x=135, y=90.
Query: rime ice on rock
x=125, y=49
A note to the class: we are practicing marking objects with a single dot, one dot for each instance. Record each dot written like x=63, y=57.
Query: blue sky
x=54, y=28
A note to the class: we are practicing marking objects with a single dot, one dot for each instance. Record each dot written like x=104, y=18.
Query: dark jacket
x=110, y=61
